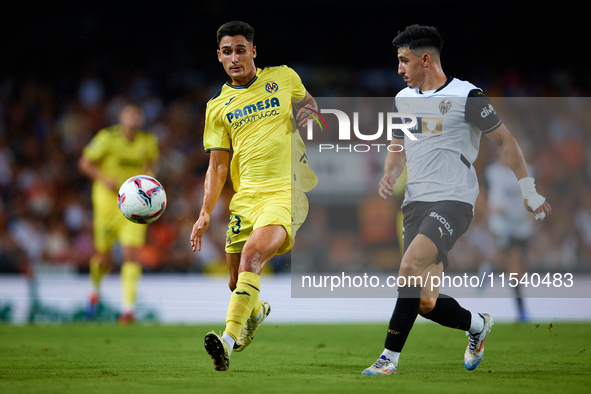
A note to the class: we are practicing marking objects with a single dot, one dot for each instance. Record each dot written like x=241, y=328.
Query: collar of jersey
x=229, y=83
x=447, y=82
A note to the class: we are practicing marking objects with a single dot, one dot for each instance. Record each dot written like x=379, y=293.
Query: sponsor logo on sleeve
x=489, y=109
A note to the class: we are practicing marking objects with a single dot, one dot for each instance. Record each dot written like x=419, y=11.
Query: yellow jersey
x=255, y=122
x=118, y=157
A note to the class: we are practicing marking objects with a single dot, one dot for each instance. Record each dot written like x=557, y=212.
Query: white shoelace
x=381, y=362
x=473, y=341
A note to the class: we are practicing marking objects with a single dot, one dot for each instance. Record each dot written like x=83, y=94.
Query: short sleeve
x=215, y=136
x=97, y=147
x=480, y=112
x=298, y=90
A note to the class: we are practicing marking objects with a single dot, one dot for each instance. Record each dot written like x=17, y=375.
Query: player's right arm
x=215, y=178
x=393, y=166
x=91, y=170
x=97, y=149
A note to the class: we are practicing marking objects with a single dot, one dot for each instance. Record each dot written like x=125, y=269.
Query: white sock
x=228, y=338
x=477, y=324
x=392, y=356
x=258, y=317
x=126, y=308
x=127, y=311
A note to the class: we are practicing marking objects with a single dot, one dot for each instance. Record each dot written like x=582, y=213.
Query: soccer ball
x=141, y=199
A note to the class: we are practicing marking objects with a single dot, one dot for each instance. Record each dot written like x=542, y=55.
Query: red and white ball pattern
x=142, y=199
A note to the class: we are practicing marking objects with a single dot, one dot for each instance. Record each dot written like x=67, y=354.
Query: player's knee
x=410, y=266
x=427, y=305
x=104, y=260
x=131, y=253
x=251, y=261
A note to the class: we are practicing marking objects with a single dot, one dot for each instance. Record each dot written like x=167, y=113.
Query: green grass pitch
x=289, y=358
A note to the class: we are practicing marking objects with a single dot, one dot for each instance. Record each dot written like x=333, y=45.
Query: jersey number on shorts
x=236, y=228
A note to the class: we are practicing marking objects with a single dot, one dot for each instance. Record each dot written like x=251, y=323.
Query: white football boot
x=250, y=328
x=381, y=367
x=219, y=350
x=475, y=349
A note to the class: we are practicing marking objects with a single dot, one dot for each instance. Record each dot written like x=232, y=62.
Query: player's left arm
x=303, y=102
x=151, y=164
x=533, y=201
x=150, y=168
x=304, y=109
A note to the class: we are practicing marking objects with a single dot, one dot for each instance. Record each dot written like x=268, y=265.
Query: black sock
x=449, y=313
x=517, y=290
x=403, y=317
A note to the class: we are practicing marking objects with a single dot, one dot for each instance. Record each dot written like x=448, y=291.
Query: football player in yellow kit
x=251, y=116
x=112, y=156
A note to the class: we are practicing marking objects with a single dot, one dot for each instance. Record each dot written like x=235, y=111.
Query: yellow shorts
x=110, y=225
x=249, y=211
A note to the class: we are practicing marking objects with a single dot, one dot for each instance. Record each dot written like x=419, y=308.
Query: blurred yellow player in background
x=112, y=156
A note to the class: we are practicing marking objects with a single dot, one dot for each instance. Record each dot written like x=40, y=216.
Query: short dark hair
x=416, y=36
x=235, y=28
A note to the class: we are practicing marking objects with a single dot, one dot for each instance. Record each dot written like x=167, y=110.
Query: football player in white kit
x=508, y=222
x=441, y=188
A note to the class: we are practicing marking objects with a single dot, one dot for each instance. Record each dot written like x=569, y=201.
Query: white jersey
x=450, y=121
x=508, y=217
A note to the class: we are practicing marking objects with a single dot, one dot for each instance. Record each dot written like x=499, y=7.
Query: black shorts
x=508, y=243
x=443, y=222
